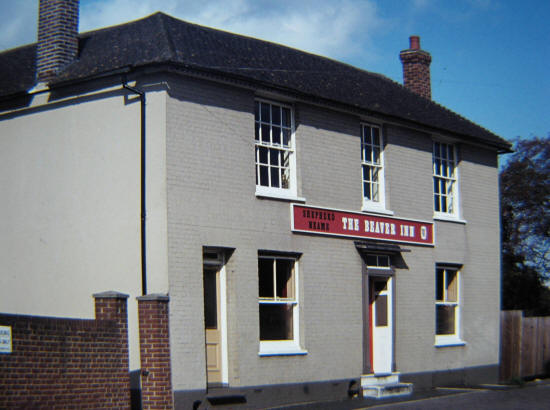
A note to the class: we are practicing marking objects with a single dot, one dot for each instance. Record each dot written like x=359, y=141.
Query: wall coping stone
x=154, y=296
x=110, y=294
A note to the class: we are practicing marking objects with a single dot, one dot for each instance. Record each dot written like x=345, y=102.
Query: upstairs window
x=445, y=179
x=274, y=149
x=372, y=168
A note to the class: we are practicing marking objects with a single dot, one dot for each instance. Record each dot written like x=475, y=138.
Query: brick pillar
x=416, y=68
x=112, y=306
x=154, y=349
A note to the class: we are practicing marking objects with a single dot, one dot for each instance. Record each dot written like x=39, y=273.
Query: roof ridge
x=171, y=46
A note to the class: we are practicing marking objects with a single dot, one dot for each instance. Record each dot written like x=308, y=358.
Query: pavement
x=531, y=395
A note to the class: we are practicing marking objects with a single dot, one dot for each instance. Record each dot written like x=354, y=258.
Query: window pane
x=274, y=157
x=444, y=204
x=276, y=135
x=376, y=156
x=376, y=137
x=263, y=155
x=275, y=177
x=375, y=193
x=372, y=260
x=286, y=159
x=384, y=261
x=439, y=284
x=265, y=113
x=257, y=132
x=366, y=190
x=210, y=300
x=367, y=154
x=375, y=171
x=264, y=175
x=366, y=173
x=285, y=182
x=265, y=278
x=436, y=150
x=276, y=114
x=444, y=168
x=437, y=207
x=437, y=169
x=445, y=320
x=368, y=137
x=286, y=137
x=286, y=117
x=443, y=186
x=285, y=280
x=265, y=133
x=452, y=286
x=276, y=322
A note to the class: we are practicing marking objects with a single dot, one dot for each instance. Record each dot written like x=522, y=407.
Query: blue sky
x=490, y=58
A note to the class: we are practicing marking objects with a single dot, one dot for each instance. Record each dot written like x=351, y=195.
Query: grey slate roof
x=161, y=39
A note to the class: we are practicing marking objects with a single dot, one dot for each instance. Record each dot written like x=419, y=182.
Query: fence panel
x=525, y=345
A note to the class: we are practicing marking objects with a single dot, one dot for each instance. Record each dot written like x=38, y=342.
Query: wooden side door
x=212, y=321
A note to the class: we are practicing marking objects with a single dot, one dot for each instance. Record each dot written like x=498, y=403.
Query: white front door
x=381, y=325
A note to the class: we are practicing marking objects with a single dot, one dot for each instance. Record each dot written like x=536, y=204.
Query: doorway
x=215, y=326
x=381, y=324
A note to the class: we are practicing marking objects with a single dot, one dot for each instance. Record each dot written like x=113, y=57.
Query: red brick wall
x=68, y=363
x=154, y=341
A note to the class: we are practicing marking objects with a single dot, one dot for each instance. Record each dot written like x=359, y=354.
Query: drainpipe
x=143, y=186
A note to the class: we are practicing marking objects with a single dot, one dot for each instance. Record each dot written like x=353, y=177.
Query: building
x=314, y=225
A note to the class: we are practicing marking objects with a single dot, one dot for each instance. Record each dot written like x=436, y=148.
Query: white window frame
x=270, y=191
x=370, y=164
x=453, y=339
x=445, y=170
x=283, y=347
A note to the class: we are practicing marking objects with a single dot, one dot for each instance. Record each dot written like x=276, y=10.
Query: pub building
x=317, y=230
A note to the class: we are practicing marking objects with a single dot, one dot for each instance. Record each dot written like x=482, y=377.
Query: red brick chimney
x=57, y=37
x=416, y=68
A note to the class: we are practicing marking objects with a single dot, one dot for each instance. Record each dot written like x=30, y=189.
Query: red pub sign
x=324, y=221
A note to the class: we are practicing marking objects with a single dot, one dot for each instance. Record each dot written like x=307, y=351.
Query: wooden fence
x=524, y=345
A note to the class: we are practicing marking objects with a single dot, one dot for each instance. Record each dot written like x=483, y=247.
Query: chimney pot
x=414, y=42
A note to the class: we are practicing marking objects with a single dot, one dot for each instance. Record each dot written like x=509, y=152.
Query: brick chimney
x=57, y=37
x=416, y=68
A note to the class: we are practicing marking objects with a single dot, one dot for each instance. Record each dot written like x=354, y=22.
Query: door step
x=385, y=385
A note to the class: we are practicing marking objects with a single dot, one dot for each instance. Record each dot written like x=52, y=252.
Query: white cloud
x=338, y=29
x=341, y=29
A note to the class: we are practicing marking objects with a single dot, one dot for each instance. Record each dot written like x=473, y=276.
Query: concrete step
x=374, y=379
x=384, y=385
x=379, y=391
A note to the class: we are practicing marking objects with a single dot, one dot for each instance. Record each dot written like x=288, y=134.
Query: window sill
x=280, y=349
x=380, y=211
x=448, y=341
x=283, y=196
x=449, y=218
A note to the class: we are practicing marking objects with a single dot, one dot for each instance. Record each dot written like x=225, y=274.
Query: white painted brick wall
x=211, y=202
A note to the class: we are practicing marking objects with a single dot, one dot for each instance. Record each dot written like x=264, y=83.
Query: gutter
x=143, y=215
